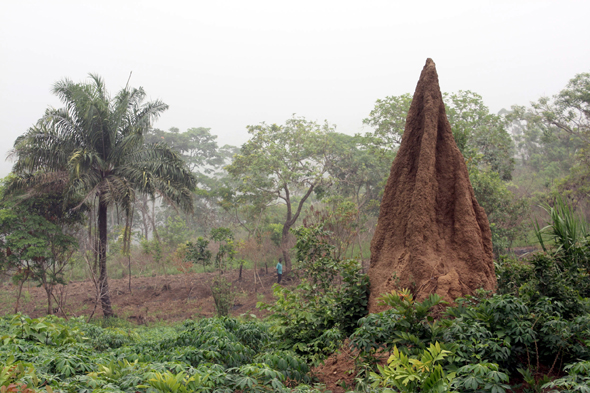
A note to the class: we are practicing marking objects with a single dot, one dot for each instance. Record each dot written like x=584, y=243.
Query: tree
x=544, y=155
x=198, y=252
x=95, y=148
x=284, y=163
x=199, y=149
x=540, y=146
x=36, y=240
x=479, y=134
x=569, y=110
x=339, y=217
x=388, y=118
x=227, y=248
x=506, y=212
x=567, y=117
x=358, y=172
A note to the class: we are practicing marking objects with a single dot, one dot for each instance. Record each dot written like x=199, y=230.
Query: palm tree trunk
x=156, y=234
x=143, y=208
x=105, y=298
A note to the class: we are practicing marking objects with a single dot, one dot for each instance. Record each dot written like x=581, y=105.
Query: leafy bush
x=481, y=377
x=577, y=379
x=112, y=338
x=498, y=329
x=331, y=277
x=562, y=272
x=47, y=330
x=315, y=318
x=288, y=363
x=17, y=376
x=544, y=275
x=223, y=295
x=227, y=247
x=197, y=252
x=408, y=325
x=303, y=324
x=417, y=374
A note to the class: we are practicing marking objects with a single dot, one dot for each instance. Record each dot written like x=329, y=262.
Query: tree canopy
x=285, y=163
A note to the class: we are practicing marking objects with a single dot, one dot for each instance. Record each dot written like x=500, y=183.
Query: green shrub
x=288, y=363
x=197, y=252
x=111, y=338
x=48, y=330
x=481, y=377
x=497, y=329
x=314, y=318
x=561, y=272
x=544, y=275
x=18, y=374
x=223, y=295
x=409, y=325
x=423, y=373
x=576, y=380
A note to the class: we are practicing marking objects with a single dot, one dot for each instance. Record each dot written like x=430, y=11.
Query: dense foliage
x=36, y=239
x=99, y=155
x=314, y=318
x=538, y=322
x=221, y=355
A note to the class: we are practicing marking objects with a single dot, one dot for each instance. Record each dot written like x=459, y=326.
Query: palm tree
x=93, y=148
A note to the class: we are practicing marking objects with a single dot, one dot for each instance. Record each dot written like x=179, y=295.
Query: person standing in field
x=279, y=270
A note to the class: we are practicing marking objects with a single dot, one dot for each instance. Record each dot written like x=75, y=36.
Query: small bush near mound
x=314, y=319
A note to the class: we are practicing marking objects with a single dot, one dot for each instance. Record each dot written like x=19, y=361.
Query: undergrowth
x=533, y=335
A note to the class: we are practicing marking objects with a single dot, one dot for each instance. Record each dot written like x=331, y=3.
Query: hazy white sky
x=228, y=64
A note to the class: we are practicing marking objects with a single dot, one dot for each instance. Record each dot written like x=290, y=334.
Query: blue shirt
x=279, y=268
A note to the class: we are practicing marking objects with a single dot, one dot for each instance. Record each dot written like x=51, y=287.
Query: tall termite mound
x=432, y=236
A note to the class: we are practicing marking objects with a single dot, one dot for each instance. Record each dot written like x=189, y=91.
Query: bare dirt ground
x=338, y=371
x=169, y=298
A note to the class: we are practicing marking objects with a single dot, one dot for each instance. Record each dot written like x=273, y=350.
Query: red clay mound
x=432, y=236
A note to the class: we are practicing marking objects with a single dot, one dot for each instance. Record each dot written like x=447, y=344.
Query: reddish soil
x=158, y=298
x=338, y=371
x=432, y=234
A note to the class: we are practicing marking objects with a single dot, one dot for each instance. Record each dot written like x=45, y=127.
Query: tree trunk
x=90, y=221
x=20, y=291
x=105, y=299
x=143, y=208
x=290, y=220
x=285, y=247
x=156, y=235
x=20, y=288
x=48, y=290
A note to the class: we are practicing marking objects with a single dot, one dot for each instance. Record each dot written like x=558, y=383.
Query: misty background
x=229, y=64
